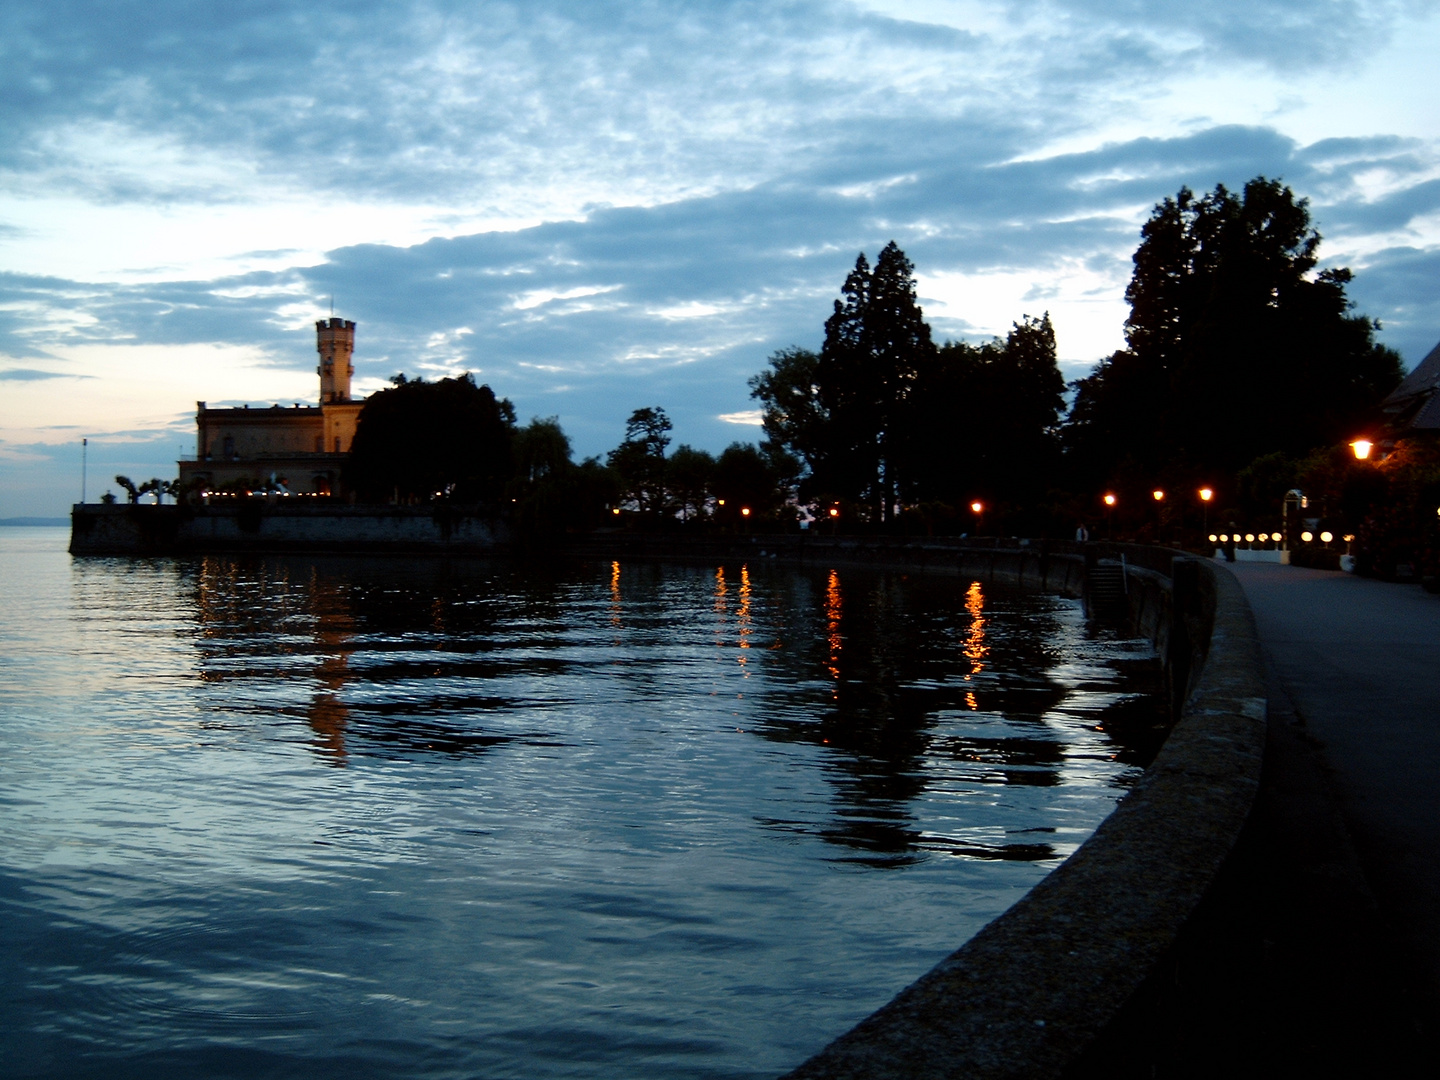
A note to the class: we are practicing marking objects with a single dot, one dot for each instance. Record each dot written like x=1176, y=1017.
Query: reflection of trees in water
x=900, y=692
x=267, y=625
x=910, y=688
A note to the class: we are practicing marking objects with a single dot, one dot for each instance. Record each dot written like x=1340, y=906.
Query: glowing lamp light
x=1157, y=495
x=1262, y=537
x=977, y=506
x=1348, y=537
x=616, y=511
x=1206, y=494
x=1249, y=538
x=1326, y=537
x=1362, y=448
x=1307, y=536
x=834, y=511
x=744, y=511
x=1224, y=538
x=1213, y=538
x=1109, y=499
x=721, y=502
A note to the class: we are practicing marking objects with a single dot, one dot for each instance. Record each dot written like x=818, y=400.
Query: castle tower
x=335, y=340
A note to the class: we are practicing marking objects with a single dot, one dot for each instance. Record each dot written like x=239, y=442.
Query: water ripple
x=313, y=817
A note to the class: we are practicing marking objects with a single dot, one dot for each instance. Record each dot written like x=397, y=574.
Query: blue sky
x=600, y=206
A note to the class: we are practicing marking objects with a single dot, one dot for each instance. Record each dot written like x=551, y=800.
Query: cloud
x=1398, y=285
x=746, y=417
x=594, y=205
x=686, y=299
x=518, y=110
x=31, y=375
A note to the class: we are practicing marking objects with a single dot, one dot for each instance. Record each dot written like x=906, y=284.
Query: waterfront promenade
x=1317, y=950
x=1359, y=662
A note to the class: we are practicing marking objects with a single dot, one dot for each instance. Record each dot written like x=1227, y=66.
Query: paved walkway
x=1316, y=952
x=1360, y=662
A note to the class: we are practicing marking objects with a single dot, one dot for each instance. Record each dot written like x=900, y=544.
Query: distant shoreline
x=45, y=522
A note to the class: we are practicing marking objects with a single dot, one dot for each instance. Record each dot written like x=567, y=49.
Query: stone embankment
x=282, y=526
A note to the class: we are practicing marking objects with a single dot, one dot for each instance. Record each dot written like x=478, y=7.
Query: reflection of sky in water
x=406, y=818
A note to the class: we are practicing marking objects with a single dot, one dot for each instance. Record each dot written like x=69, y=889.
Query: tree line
x=1240, y=362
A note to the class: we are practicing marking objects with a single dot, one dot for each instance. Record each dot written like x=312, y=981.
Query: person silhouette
x=1082, y=533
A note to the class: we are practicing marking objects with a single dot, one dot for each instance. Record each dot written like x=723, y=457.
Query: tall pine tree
x=877, y=343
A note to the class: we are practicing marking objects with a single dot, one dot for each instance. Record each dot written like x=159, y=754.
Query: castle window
x=230, y=446
x=337, y=444
x=319, y=444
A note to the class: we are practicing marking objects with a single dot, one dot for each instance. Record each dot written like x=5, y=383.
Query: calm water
x=309, y=817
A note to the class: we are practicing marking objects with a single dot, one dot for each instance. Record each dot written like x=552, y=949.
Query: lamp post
x=1206, y=494
x=978, y=509
x=1109, y=501
x=1296, y=496
x=1159, y=496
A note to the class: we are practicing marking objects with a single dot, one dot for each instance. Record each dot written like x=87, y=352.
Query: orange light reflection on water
x=615, y=593
x=743, y=615
x=976, y=649
x=832, y=622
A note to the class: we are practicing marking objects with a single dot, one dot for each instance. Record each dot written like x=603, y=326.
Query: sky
x=599, y=206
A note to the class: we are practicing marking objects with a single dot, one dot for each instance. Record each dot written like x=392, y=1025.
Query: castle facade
x=300, y=449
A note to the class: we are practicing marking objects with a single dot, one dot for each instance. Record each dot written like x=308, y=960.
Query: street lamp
x=1296, y=496
x=1109, y=501
x=1206, y=494
x=1362, y=448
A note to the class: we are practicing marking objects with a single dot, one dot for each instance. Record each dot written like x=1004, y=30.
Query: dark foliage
x=1236, y=349
x=746, y=479
x=549, y=494
x=882, y=417
x=691, y=476
x=421, y=440
x=639, y=462
x=986, y=422
x=877, y=343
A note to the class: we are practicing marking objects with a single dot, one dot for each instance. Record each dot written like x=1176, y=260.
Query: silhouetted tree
x=745, y=479
x=691, y=472
x=419, y=439
x=550, y=494
x=131, y=491
x=1235, y=347
x=876, y=345
x=986, y=422
x=793, y=418
x=540, y=450
x=639, y=462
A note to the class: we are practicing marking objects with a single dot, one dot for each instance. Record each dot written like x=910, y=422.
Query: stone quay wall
x=116, y=529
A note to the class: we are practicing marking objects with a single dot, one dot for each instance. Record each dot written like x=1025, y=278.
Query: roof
x=1415, y=403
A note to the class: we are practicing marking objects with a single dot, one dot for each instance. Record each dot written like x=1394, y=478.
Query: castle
x=300, y=449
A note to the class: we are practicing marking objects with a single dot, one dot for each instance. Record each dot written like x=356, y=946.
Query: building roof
x=1415, y=403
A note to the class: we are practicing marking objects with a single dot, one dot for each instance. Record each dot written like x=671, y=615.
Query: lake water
x=425, y=818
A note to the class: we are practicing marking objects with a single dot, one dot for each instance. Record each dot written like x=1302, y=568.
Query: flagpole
x=84, y=463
